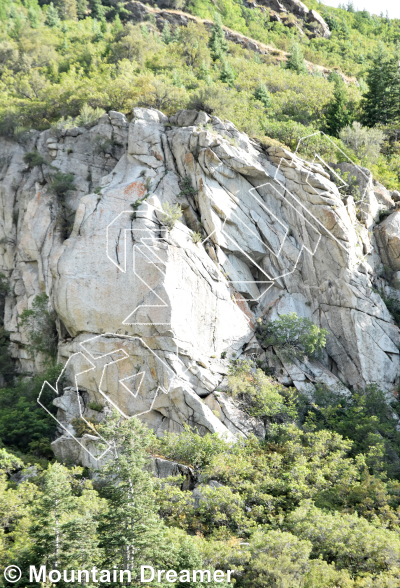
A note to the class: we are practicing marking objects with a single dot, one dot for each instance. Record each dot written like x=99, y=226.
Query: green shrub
x=295, y=337
x=218, y=44
x=62, y=185
x=83, y=426
x=278, y=559
x=366, y=143
x=369, y=418
x=95, y=406
x=171, y=214
x=351, y=541
x=24, y=424
x=7, y=368
x=262, y=95
x=260, y=395
x=9, y=462
x=187, y=188
x=135, y=205
x=33, y=158
x=383, y=214
x=296, y=61
x=190, y=448
x=196, y=237
x=40, y=326
x=227, y=74
x=347, y=183
x=89, y=116
x=104, y=145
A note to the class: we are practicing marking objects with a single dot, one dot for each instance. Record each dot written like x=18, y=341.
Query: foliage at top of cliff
x=61, y=57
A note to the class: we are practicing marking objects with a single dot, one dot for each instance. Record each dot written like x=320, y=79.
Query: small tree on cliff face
x=131, y=532
x=296, y=337
x=62, y=185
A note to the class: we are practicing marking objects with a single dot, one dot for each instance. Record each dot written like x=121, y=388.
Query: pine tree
x=339, y=114
x=67, y=9
x=64, y=530
x=296, y=61
x=166, y=34
x=217, y=43
x=118, y=26
x=381, y=102
x=52, y=17
x=82, y=8
x=33, y=17
x=394, y=90
x=227, y=74
x=261, y=93
x=131, y=532
x=205, y=73
x=98, y=10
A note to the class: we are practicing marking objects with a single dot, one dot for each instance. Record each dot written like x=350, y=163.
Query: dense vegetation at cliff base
x=315, y=504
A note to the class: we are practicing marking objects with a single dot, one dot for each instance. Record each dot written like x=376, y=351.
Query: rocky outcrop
x=387, y=235
x=299, y=10
x=150, y=317
x=163, y=468
x=160, y=13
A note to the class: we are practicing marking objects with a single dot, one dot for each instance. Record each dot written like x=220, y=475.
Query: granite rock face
x=148, y=316
x=388, y=238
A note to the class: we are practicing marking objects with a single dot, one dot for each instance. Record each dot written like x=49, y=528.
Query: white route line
x=316, y=155
x=100, y=355
x=131, y=378
x=55, y=390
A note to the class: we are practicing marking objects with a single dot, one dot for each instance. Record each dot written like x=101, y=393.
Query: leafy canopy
x=296, y=337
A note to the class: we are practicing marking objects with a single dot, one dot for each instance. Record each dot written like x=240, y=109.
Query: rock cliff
x=149, y=317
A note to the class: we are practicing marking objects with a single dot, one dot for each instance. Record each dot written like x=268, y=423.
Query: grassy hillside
x=54, y=59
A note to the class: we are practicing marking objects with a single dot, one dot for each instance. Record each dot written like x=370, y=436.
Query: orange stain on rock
x=135, y=189
x=189, y=157
x=38, y=196
x=157, y=155
x=242, y=304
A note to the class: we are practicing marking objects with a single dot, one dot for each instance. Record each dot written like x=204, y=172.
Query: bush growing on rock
x=62, y=184
x=295, y=337
x=171, y=214
x=33, y=158
x=258, y=394
x=40, y=326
